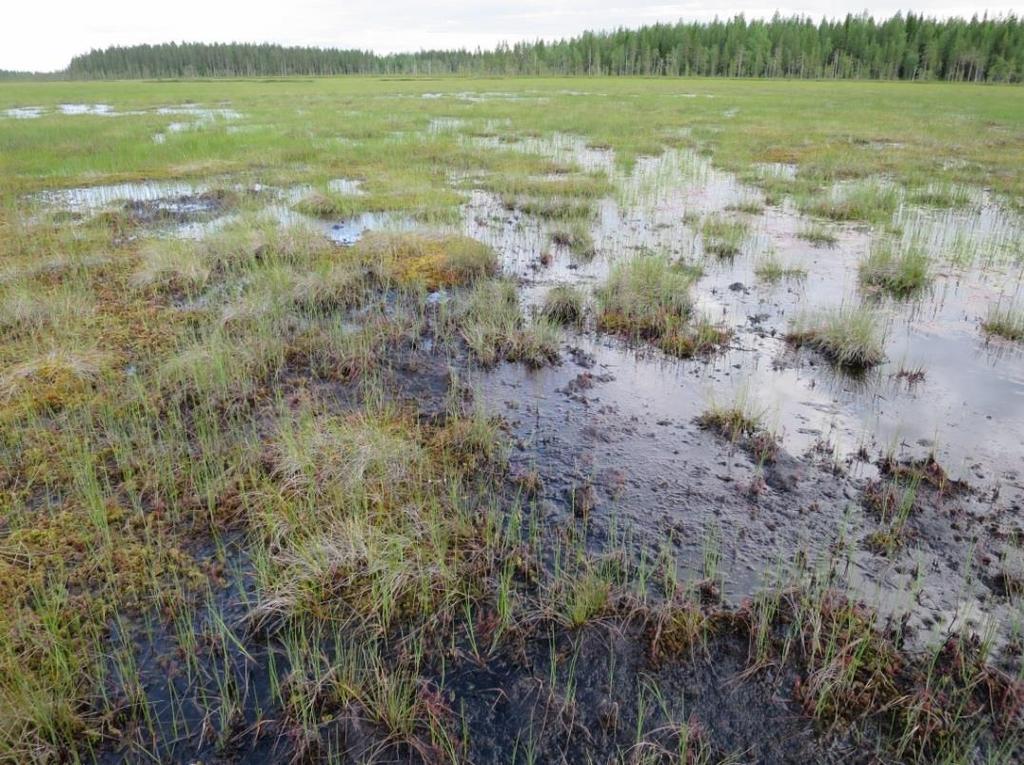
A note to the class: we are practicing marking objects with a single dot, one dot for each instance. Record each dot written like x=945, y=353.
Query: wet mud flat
x=813, y=590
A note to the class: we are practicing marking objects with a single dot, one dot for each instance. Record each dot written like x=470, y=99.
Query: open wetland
x=542, y=420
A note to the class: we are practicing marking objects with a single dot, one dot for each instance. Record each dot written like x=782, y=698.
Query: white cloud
x=44, y=35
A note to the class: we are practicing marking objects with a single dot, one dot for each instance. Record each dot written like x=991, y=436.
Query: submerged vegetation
x=723, y=237
x=818, y=234
x=771, y=269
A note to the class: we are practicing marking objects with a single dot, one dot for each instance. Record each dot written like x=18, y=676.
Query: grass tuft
x=850, y=337
x=327, y=205
x=868, y=201
x=648, y=298
x=771, y=269
x=942, y=195
x=172, y=266
x=359, y=453
x=492, y=324
x=552, y=208
x=723, y=237
x=748, y=206
x=564, y=304
x=900, y=269
x=577, y=238
x=818, y=234
x=741, y=422
x=1006, y=322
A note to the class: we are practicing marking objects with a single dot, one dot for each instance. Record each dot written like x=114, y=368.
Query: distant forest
x=909, y=47
x=7, y=74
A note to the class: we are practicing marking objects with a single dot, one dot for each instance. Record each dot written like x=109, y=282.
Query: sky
x=43, y=35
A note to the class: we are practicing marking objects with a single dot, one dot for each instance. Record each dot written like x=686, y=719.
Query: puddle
x=89, y=199
x=70, y=110
x=201, y=114
x=483, y=96
x=968, y=384
x=445, y=125
x=561, y=147
x=101, y=109
x=349, y=230
x=346, y=186
x=352, y=230
x=345, y=231
x=201, y=117
x=25, y=112
x=193, y=210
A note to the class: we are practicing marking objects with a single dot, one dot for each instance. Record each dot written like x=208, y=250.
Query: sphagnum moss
x=430, y=260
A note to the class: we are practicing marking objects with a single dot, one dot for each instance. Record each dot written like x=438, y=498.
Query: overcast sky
x=43, y=35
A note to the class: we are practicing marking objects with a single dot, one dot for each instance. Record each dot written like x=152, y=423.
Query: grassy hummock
x=493, y=326
x=648, y=298
x=429, y=260
x=850, y=337
x=577, y=238
x=564, y=304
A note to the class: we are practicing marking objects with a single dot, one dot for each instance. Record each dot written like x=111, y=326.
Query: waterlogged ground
x=605, y=437
x=630, y=426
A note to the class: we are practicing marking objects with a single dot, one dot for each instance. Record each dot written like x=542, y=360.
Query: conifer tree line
x=10, y=74
x=903, y=47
